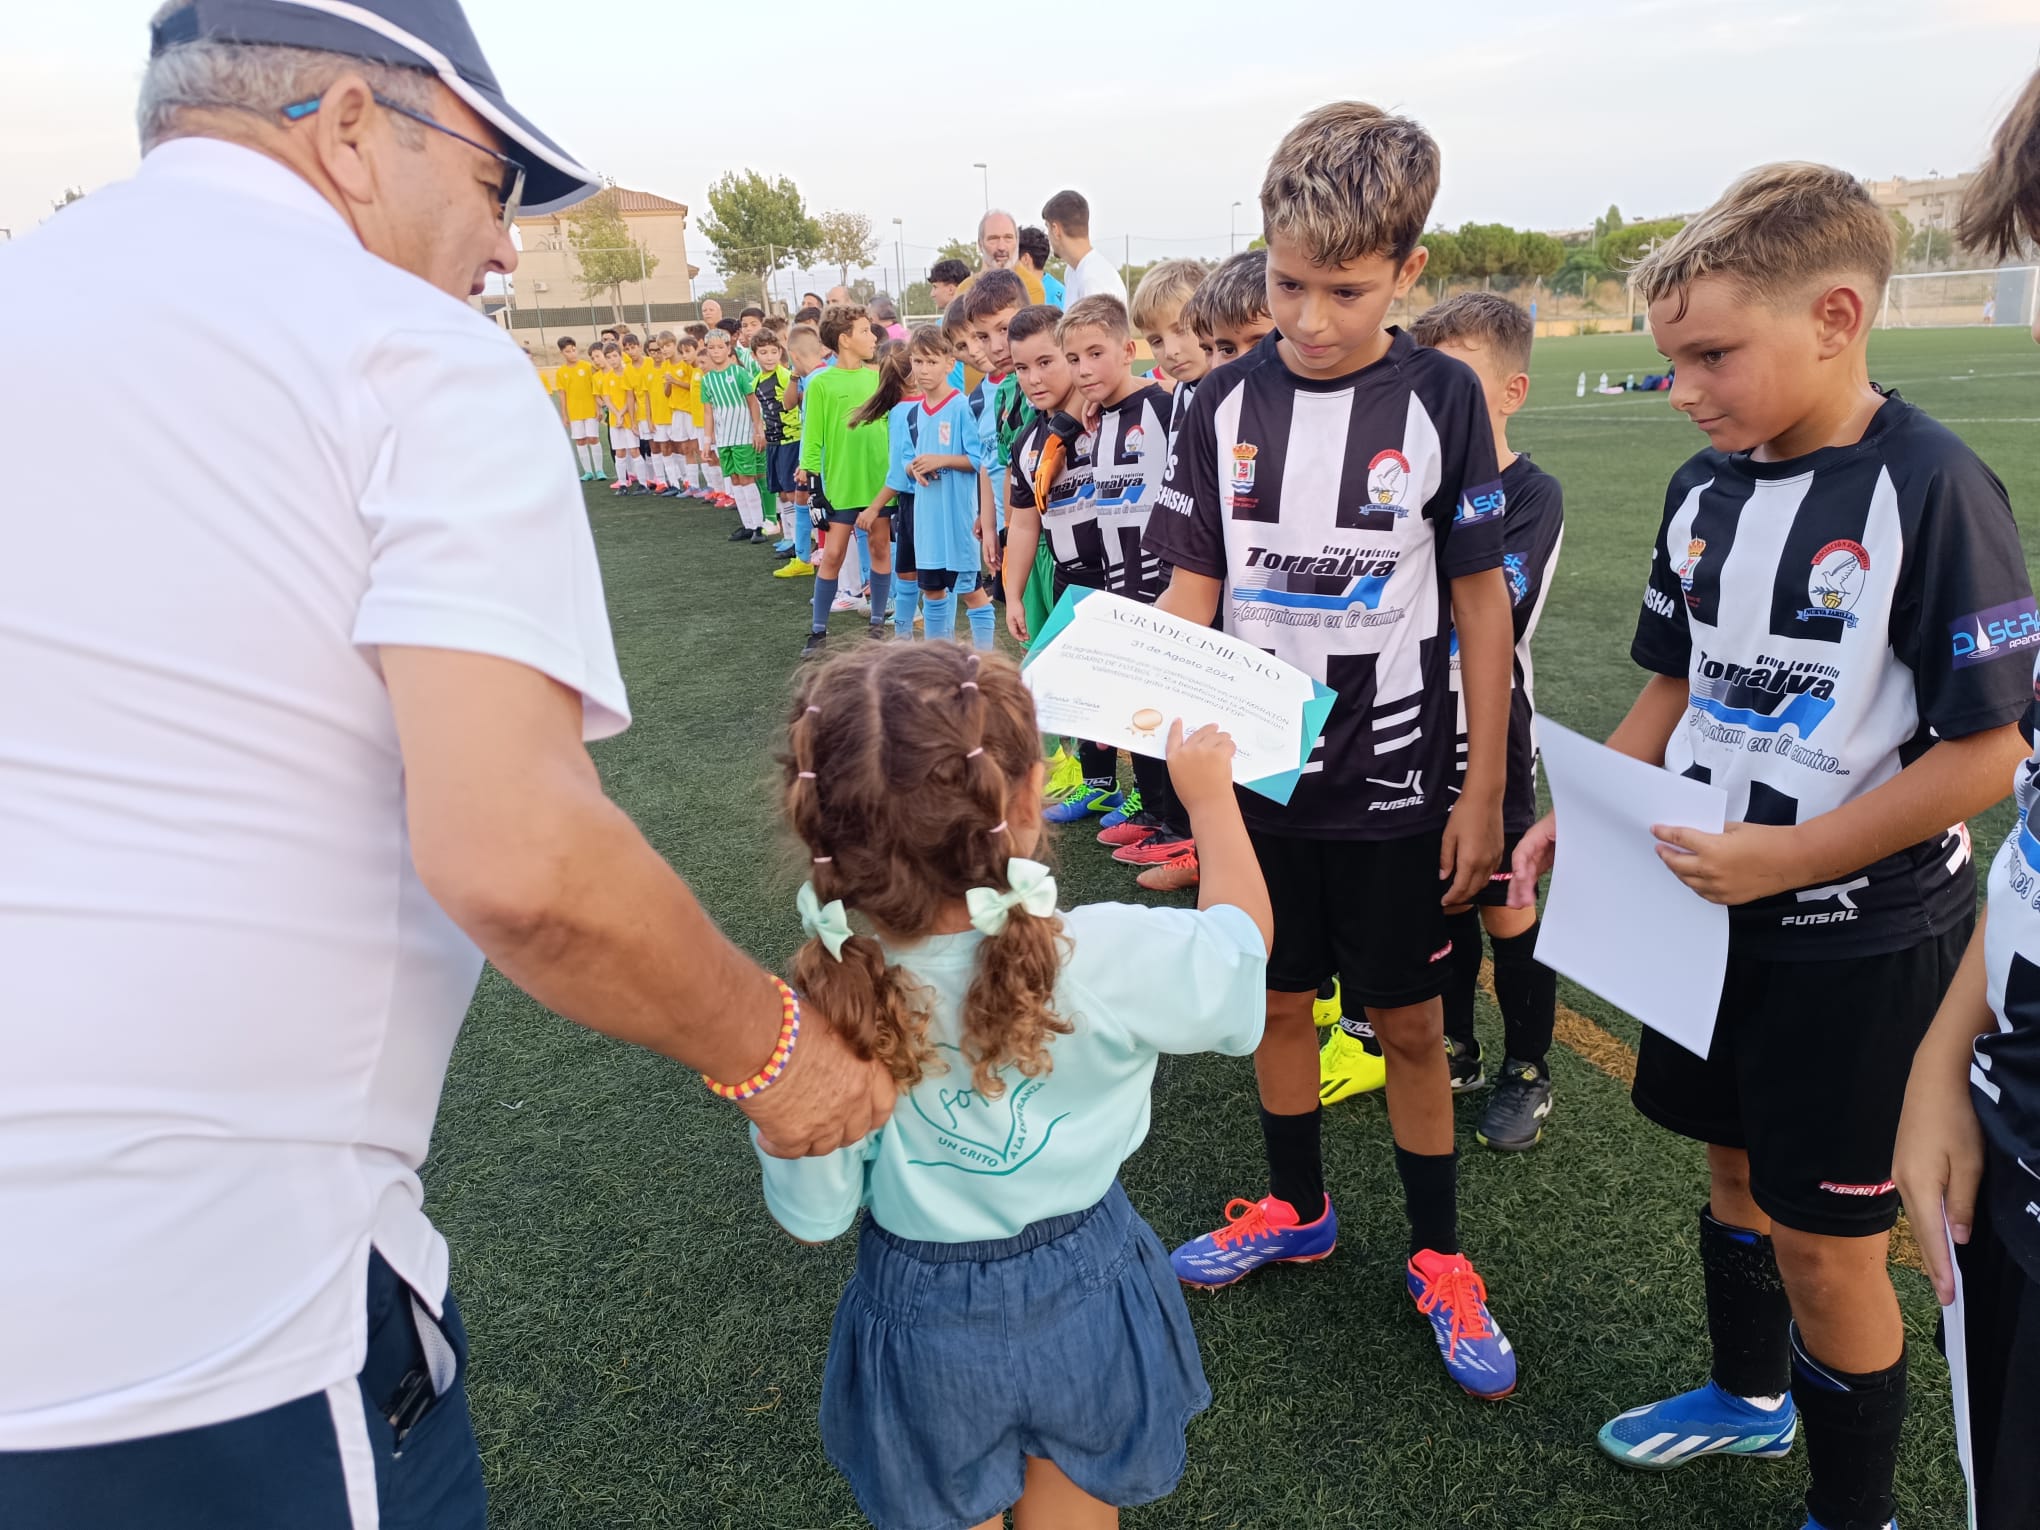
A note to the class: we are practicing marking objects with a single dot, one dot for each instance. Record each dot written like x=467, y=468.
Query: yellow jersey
x=621, y=396
x=577, y=384
x=687, y=392
x=640, y=374
x=657, y=401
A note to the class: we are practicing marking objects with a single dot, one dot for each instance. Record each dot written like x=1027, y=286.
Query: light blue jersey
x=946, y=508
x=953, y=1166
x=982, y=411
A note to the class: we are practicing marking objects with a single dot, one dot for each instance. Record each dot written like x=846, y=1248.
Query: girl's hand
x=1201, y=767
x=1939, y=1162
x=1535, y=852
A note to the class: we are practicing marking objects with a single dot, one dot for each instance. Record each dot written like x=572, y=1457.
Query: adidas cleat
x=1347, y=1067
x=1255, y=1233
x=1449, y=1292
x=1703, y=1422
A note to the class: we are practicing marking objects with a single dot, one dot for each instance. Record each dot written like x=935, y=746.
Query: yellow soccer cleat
x=1065, y=775
x=794, y=568
x=1328, y=1008
x=1347, y=1068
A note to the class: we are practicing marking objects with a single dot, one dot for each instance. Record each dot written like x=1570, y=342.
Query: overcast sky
x=1546, y=113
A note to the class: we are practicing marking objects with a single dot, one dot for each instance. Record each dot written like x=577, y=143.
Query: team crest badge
x=943, y=434
x=1836, y=582
x=1243, y=455
x=1695, y=551
x=1133, y=438
x=1388, y=479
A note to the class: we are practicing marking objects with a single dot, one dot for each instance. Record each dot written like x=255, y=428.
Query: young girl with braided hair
x=1014, y=1336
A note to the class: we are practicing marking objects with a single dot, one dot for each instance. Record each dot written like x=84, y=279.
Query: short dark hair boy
x=1230, y=306
x=1351, y=565
x=1493, y=336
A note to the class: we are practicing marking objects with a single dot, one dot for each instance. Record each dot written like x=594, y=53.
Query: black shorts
x=902, y=511
x=1496, y=893
x=781, y=463
x=1365, y=911
x=2001, y=1313
x=1807, y=1075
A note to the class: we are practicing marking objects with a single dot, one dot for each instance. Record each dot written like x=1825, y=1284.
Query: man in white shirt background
x=293, y=739
x=1087, y=272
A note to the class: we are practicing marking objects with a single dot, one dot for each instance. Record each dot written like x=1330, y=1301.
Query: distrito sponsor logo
x=1486, y=503
x=2002, y=630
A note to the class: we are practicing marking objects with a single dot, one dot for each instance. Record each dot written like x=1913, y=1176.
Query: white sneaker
x=849, y=603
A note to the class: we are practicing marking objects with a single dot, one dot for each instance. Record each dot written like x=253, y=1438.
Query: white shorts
x=621, y=439
x=685, y=430
x=581, y=430
x=662, y=432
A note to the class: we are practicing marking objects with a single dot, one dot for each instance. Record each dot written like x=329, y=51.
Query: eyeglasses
x=509, y=191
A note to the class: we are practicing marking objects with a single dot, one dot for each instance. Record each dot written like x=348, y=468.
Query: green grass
x=648, y=1346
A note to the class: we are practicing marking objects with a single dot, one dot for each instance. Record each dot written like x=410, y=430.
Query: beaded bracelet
x=775, y=1065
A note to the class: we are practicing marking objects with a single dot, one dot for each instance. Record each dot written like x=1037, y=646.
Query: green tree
x=1539, y=256
x=1258, y=242
x=1488, y=249
x=759, y=226
x=920, y=298
x=1622, y=247
x=846, y=240
x=1607, y=223
x=604, y=250
x=738, y=288
x=963, y=250
x=1902, y=225
x=1446, y=260
x=1582, y=270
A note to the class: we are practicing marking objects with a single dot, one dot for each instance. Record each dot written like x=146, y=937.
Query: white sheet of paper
x=1955, y=1337
x=1617, y=921
x=1121, y=672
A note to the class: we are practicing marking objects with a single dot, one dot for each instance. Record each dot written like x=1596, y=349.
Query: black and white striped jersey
x=1337, y=512
x=1533, y=528
x=1179, y=408
x=1832, y=615
x=1095, y=531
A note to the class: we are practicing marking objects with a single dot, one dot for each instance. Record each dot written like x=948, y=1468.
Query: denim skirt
x=951, y=1363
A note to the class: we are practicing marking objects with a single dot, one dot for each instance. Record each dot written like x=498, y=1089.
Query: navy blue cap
x=432, y=35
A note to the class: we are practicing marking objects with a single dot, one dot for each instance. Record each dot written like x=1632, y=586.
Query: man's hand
x=1535, y=853
x=1744, y=862
x=828, y=1097
x=1471, y=850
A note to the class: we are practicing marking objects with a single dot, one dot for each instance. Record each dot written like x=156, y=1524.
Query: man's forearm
x=1951, y=783
x=622, y=945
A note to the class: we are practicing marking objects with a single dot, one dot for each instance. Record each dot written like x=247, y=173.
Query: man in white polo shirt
x=290, y=737
x=1087, y=271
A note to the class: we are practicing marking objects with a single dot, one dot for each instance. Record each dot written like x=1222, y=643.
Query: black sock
x=1462, y=977
x=1100, y=765
x=1296, y=1167
x=1528, y=993
x=1852, y=1424
x=1430, y=1188
x=1747, y=1313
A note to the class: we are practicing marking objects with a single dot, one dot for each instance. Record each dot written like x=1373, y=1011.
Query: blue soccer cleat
x=1255, y=1233
x=1703, y=1422
x=1449, y=1292
x=1081, y=803
x=1128, y=806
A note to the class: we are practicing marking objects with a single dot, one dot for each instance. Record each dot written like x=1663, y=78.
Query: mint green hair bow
x=826, y=922
x=1033, y=888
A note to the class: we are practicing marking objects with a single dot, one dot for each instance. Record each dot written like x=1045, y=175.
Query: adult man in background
x=1087, y=271
x=998, y=239
x=711, y=313
x=293, y=739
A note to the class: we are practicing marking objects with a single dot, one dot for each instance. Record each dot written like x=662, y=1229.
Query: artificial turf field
x=648, y=1345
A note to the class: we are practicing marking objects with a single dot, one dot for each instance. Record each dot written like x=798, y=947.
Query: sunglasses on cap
x=509, y=191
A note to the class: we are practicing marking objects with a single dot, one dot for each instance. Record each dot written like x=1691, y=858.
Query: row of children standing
x=1834, y=563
